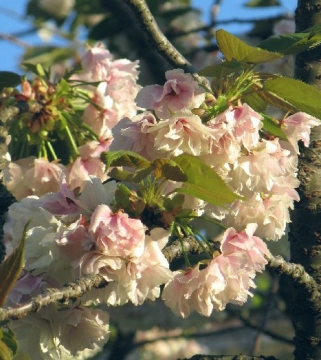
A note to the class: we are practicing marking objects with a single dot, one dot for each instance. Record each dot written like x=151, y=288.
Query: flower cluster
x=70, y=236
x=232, y=143
x=80, y=224
x=226, y=278
x=110, y=101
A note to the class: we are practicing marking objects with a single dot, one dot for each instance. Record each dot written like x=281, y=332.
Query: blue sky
x=12, y=20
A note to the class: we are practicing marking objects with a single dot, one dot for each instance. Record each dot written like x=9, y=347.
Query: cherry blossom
x=254, y=248
x=31, y=176
x=116, y=234
x=298, y=127
x=179, y=92
x=133, y=134
x=181, y=133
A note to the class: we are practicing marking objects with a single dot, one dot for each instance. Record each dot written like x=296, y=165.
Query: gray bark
x=305, y=229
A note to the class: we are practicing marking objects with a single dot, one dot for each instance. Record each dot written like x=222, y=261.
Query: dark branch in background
x=153, y=63
x=71, y=291
x=7, y=199
x=160, y=42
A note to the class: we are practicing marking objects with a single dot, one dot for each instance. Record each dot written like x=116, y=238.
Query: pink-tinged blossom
x=74, y=241
x=31, y=176
x=102, y=117
x=61, y=202
x=115, y=94
x=177, y=294
x=244, y=241
x=226, y=278
x=246, y=124
x=298, y=127
x=249, y=175
x=131, y=278
x=179, y=92
x=82, y=328
x=122, y=87
x=239, y=279
x=231, y=130
x=95, y=62
x=133, y=134
x=82, y=169
x=88, y=164
x=44, y=342
x=25, y=287
x=19, y=214
x=223, y=152
x=270, y=212
x=116, y=234
x=181, y=133
x=95, y=193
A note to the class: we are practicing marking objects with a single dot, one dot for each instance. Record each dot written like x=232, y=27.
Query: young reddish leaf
x=168, y=169
x=124, y=158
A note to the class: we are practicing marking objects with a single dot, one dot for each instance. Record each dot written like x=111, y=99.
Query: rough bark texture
x=305, y=230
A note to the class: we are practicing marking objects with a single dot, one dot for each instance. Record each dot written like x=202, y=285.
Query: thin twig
x=160, y=42
x=13, y=39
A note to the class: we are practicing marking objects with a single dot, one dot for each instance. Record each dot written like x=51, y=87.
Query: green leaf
x=168, y=169
x=272, y=127
x=5, y=352
x=255, y=102
x=276, y=101
x=122, y=197
x=302, y=96
x=48, y=55
x=203, y=182
x=222, y=70
x=173, y=203
x=9, y=338
x=235, y=49
x=9, y=79
x=10, y=269
x=124, y=158
x=289, y=44
x=127, y=176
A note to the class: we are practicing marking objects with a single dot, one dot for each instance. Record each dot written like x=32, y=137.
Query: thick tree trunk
x=305, y=230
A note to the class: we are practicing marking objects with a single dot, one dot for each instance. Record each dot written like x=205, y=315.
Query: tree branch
x=160, y=42
x=299, y=277
x=230, y=357
x=69, y=292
